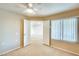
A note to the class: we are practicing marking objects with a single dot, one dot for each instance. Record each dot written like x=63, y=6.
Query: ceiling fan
x=25, y=5
x=29, y=8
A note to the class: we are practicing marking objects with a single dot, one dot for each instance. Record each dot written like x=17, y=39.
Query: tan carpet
x=36, y=48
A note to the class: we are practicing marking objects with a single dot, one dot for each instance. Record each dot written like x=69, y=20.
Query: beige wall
x=66, y=46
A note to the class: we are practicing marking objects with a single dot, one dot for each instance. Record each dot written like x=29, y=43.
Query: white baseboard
x=9, y=51
x=12, y=49
x=66, y=50
x=27, y=44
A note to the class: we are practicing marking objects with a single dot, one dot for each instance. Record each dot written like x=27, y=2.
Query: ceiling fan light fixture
x=35, y=9
x=29, y=11
x=30, y=4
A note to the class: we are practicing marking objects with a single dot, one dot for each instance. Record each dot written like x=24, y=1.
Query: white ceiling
x=43, y=9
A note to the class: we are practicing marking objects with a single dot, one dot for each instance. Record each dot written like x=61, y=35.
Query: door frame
x=22, y=32
x=50, y=33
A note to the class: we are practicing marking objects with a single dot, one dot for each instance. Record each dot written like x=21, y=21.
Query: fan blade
x=22, y=5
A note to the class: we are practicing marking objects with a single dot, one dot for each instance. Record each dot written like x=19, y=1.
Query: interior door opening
x=36, y=31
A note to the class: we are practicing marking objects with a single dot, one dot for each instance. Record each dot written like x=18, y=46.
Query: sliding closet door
x=56, y=29
x=70, y=29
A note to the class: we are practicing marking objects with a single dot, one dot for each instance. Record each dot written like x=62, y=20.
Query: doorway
x=34, y=31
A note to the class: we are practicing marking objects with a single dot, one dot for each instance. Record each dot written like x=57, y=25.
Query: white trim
x=65, y=50
x=27, y=44
x=9, y=51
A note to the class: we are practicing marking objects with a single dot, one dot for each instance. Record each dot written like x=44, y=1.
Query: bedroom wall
x=9, y=30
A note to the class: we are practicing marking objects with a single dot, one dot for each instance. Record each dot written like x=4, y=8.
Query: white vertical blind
x=69, y=29
x=56, y=30
x=64, y=29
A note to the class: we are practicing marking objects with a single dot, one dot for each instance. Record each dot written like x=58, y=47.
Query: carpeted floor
x=36, y=48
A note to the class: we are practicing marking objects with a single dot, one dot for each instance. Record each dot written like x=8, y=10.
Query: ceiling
x=43, y=9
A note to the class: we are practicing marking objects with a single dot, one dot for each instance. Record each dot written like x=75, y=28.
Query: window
x=70, y=29
x=56, y=29
x=64, y=29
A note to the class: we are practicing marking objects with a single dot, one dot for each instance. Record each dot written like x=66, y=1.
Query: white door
x=46, y=32
x=26, y=32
